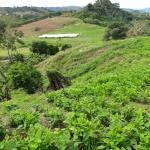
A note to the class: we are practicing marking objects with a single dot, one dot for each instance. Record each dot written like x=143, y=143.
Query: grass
x=87, y=44
x=23, y=101
x=4, y=54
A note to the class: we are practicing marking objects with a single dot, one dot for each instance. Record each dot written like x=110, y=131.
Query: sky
x=136, y=4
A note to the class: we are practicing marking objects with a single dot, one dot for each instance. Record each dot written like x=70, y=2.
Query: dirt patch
x=45, y=25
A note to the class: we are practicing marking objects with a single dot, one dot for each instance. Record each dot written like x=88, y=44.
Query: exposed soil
x=45, y=25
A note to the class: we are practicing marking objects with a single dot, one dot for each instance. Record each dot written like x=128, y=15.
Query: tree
x=9, y=38
x=24, y=76
x=41, y=47
x=115, y=31
x=104, y=10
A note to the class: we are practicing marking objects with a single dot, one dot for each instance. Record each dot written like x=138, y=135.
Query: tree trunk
x=57, y=81
x=9, y=55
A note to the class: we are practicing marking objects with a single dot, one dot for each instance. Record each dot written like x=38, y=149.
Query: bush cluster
x=2, y=132
x=65, y=46
x=116, y=31
x=24, y=76
x=139, y=29
x=42, y=47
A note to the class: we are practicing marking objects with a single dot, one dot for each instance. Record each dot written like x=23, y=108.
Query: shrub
x=25, y=119
x=41, y=47
x=66, y=46
x=35, y=58
x=24, y=76
x=19, y=57
x=139, y=29
x=40, y=137
x=55, y=117
x=2, y=132
x=91, y=21
x=115, y=31
x=37, y=29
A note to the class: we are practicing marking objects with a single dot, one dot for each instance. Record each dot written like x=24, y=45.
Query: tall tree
x=105, y=10
x=9, y=38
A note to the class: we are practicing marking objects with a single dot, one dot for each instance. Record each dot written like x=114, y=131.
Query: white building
x=59, y=36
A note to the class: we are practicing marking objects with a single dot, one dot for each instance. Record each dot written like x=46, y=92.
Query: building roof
x=58, y=35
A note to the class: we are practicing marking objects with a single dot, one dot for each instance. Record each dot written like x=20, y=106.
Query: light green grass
x=25, y=51
x=90, y=35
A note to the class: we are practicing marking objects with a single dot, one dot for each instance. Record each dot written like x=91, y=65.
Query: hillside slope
x=45, y=25
x=106, y=107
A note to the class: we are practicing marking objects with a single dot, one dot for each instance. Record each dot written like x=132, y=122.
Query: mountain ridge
x=144, y=10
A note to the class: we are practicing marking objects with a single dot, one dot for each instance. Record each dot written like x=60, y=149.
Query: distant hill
x=130, y=10
x=23, y=10
x=66, y=8
x=24, y=15
x=145, y=10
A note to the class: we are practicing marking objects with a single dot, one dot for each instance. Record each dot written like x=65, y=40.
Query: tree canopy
x=105, y=10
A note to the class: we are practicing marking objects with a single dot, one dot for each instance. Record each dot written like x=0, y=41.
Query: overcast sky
x=51, y=3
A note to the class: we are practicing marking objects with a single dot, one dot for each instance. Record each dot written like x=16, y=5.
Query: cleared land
x=45, y=25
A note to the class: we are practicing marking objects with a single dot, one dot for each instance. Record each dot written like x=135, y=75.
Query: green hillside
x=106, y=107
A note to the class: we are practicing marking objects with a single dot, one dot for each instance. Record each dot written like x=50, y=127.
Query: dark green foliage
x=65, y=46
x=12, y=107
x=92, y=21
x=36, y=58
x=2, y=132
x=104, y=10
x=41, y=47
x=116, y=31
x=5, y=92
x=19, y=57
x=24, y=76
x=2, y=30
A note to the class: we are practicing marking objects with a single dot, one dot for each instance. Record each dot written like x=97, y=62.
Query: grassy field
x=106, y=107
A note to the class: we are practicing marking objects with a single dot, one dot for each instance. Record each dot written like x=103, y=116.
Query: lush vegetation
x=17, y=16
x=41, y=47
x=115, y=31
x=104, y=10
x=25, y=76
x=105, y=106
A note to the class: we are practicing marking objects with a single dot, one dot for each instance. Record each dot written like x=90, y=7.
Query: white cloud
x=50, y=3
x=133, y=3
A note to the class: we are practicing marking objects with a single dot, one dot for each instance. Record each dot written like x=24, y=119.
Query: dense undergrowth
x=102, y=109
